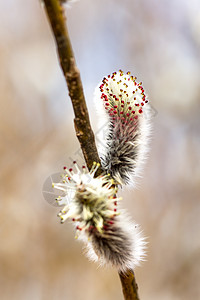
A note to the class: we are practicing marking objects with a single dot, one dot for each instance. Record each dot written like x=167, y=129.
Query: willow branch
x=85, y=135
x=83, y=128
x=129, y=285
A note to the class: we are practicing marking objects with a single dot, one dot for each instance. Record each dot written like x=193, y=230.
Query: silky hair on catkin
x=125, y=109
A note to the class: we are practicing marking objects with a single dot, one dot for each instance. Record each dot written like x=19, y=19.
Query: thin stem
x=85, y=135
x=129, y=285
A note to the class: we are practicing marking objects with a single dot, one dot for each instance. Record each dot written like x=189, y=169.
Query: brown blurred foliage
x=160, y=43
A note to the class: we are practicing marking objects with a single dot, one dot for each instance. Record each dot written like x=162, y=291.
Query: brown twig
x=129, y=285
x=83, y=128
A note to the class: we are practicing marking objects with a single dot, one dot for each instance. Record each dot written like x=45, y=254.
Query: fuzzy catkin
x=121, y=246
x=91, y=203
x=125, y=107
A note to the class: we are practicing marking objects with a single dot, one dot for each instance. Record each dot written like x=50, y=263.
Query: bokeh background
x=159, y=42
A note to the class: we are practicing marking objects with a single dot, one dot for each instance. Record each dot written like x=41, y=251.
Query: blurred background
x=159, y=42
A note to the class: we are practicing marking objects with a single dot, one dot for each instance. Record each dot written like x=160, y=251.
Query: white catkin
x=125, y=109
x=122, y=246
x=111, y=238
